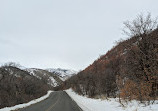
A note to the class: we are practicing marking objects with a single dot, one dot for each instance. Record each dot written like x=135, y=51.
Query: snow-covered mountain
x=49, y=77
x=52, y=76
x=62, y=73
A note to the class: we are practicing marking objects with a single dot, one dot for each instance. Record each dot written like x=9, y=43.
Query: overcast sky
x=64, y=33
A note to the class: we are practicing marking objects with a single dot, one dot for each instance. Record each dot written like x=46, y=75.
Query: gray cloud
x=63, y=33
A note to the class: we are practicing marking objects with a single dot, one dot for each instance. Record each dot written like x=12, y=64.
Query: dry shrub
x=132, y=90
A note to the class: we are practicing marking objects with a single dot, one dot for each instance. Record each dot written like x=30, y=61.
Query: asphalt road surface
x=57, y=101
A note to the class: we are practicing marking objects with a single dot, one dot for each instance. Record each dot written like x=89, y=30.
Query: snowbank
x=27, y=104
x=88, y=104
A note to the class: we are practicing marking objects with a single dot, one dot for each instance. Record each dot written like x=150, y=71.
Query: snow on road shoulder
x=27, y=104
x=88, y=104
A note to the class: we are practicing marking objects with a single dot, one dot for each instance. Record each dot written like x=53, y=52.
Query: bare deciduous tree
x=140, y=25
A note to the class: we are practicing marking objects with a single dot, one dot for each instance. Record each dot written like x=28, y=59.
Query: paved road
x=58, y=101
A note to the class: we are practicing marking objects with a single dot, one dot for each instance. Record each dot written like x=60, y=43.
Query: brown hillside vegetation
x=129, y=70
x=18, y=86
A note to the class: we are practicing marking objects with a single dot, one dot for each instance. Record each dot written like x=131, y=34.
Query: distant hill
x=63, y=74
x=49, y=77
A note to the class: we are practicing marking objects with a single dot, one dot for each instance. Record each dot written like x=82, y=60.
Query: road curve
x=57, y=101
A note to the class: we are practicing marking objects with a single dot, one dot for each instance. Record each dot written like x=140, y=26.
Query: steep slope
x=18, y=86
x=64, y=74
x=130, y=69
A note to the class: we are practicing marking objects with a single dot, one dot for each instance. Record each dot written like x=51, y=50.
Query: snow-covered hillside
x=32, y=72
x=62, y=73
x=51, y=78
